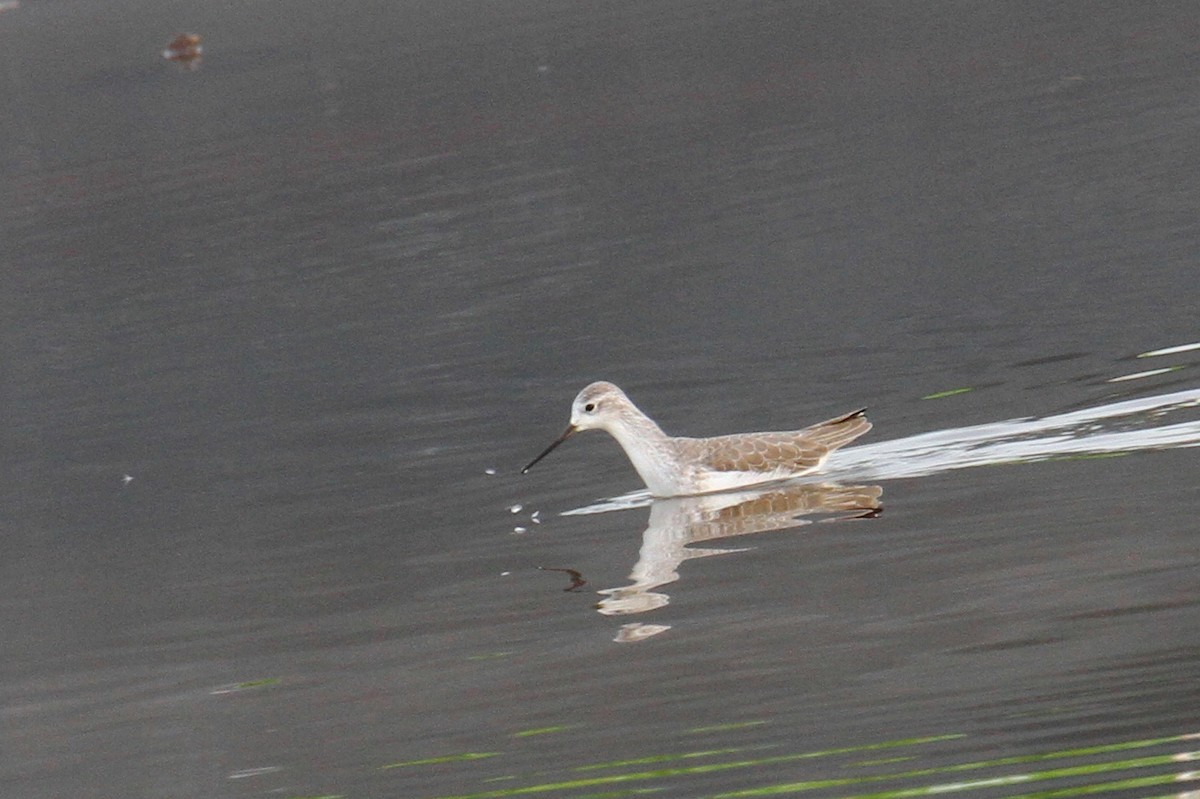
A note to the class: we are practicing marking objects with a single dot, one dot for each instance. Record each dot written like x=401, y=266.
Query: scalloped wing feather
x=792, y=452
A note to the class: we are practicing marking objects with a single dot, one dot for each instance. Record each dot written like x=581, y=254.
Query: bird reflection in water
x=676, y=523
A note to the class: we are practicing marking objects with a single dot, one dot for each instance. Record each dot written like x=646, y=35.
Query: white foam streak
x=1143, y=375
x=1171, y=350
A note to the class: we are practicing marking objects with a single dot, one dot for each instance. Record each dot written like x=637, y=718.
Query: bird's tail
x=840, y=430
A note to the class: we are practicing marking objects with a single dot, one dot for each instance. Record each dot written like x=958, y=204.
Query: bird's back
x=775, y=453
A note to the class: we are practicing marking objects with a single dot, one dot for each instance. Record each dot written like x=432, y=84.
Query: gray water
x=268, y=324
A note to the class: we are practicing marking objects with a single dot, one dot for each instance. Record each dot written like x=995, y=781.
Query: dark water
x=267, y=323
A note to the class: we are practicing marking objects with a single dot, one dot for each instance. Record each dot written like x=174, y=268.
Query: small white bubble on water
x=520, y=530
x=489, y=471
x=516, y=508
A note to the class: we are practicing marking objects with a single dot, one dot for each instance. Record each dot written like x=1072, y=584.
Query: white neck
x=650, y=450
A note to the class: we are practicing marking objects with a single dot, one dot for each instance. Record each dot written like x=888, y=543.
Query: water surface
x=269, y=323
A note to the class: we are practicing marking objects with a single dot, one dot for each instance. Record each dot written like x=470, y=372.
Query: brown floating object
x=577, y=580
x=185, y=49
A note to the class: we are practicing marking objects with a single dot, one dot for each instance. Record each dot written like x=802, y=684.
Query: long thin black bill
x=566, y=434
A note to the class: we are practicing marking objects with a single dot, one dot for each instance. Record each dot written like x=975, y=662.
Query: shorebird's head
x=599, y=406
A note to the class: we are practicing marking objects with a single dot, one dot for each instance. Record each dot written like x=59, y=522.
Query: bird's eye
x=591, y=406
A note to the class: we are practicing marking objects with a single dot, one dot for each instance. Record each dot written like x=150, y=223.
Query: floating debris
x=254, y=772
x=1171, y=350
x=519, y=530
x=1140, y=375
x=576, y=578
x=515, y=508
x=437, y=761
x=949, y=393
x=185, y=49
x=248, y=685
x=490, y=471
x=544, y=730
x=733, y=725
